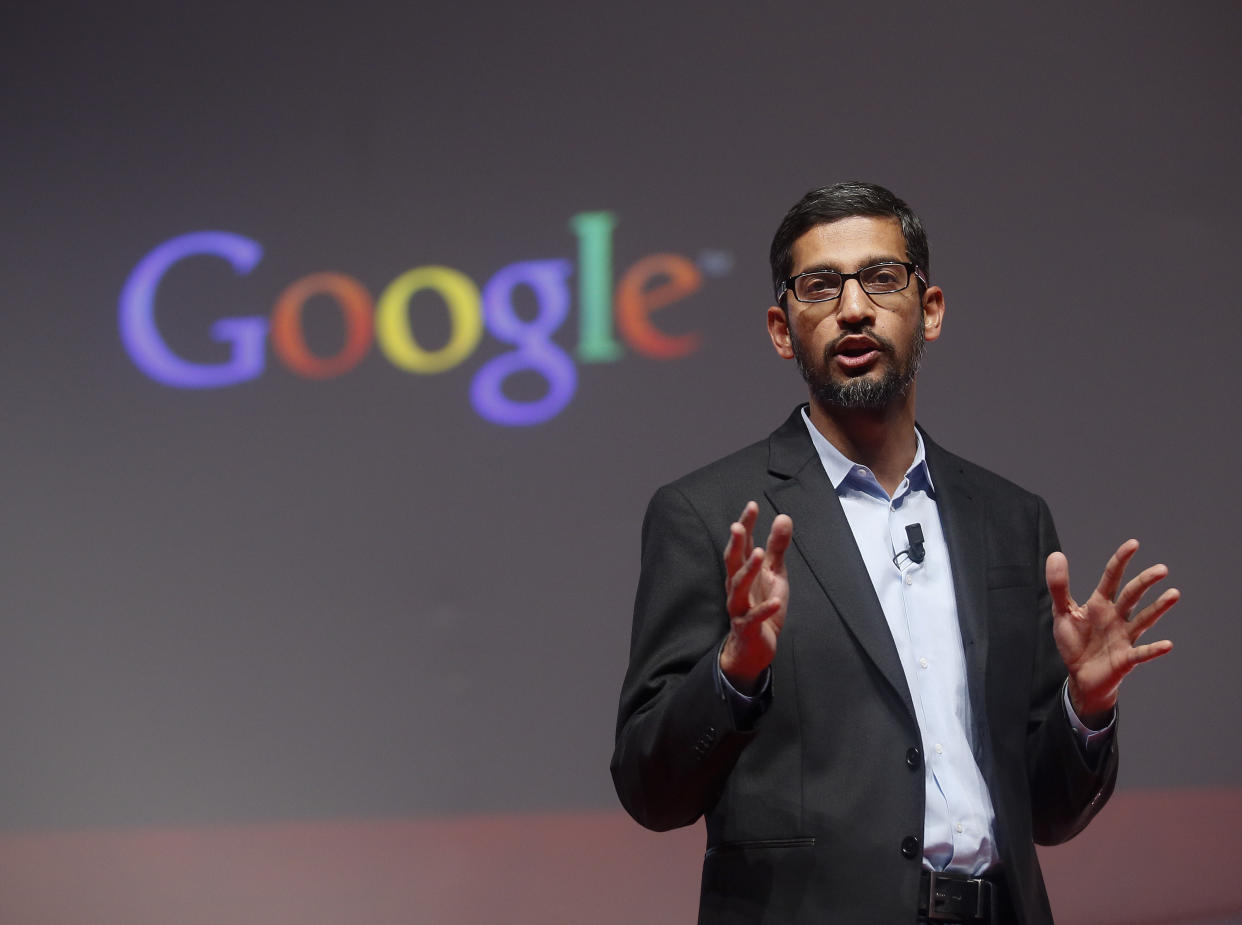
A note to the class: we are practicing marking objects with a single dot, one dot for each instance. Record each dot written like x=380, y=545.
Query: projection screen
x=345, y=344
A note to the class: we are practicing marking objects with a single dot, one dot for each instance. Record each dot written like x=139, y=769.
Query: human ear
x=933, y=312
x=778, y=330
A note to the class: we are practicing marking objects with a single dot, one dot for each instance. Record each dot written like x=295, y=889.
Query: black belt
x=952, y=898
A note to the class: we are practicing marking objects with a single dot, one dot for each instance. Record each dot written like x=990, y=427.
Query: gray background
x=295, y=600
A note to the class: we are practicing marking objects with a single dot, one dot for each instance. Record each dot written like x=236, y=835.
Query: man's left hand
x=1096, y=639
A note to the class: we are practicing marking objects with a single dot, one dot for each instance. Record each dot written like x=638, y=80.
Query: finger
x=1147, y=617
x=752, y=621
x=779, y=538
x=739, y=584
x=735, y=550
x=1110, y=581
x=1140, y=654
x=740, y=541
x=1137, y=586
x=1057, y=574
x=750, y=513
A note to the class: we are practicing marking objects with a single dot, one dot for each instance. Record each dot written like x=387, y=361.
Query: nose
x=855, y=306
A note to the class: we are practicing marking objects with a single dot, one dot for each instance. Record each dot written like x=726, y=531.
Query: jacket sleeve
x=676, y=738
x=1067, y=786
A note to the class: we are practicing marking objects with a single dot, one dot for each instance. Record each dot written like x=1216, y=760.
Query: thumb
x=1057, y=574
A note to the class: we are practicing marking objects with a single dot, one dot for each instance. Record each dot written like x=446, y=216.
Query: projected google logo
x=652, y=283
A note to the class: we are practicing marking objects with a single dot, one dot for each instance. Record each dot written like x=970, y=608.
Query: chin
x=874, y=390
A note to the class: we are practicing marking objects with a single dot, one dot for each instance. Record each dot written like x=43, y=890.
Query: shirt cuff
x=732, y=693
x=1091, y=739
x=746, y=709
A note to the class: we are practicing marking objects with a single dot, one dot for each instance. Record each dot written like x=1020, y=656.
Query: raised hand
x=1096, y=639
x=757, y=593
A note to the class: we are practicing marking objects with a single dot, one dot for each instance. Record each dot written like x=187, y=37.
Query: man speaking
x=884, y=708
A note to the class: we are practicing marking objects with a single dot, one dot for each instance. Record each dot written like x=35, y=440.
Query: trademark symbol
x=715, y=263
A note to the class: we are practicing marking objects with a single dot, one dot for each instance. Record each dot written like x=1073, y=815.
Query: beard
x=861, y=392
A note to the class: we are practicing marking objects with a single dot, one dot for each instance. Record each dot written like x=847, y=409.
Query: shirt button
x=939, y=749
x=909, y=579
x=922, y=663
x=960, y=827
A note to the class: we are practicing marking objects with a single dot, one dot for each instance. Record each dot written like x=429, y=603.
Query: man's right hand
x=757, y=592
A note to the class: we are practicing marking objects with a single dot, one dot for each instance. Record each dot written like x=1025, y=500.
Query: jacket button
x=914, y=758
x=910, y=846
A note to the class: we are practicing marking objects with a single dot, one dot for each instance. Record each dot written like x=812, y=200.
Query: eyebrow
x=869, y=261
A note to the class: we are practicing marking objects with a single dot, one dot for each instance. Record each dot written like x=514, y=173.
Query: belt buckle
x=955, y=908
x=934, y=914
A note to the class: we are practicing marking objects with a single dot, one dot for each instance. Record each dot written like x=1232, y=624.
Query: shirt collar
x=843, y=471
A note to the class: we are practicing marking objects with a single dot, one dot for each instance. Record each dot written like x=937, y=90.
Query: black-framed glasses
x=826, y=285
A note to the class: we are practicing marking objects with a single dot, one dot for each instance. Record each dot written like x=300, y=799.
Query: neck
x=882, y=440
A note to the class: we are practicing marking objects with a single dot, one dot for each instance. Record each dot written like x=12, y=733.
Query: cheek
x=903, y=327
x=818, y=332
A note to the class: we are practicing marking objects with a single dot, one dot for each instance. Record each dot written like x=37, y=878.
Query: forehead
x=849, y=244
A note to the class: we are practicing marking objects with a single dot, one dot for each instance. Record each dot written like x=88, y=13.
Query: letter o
x=289, y=338
x=392, y=319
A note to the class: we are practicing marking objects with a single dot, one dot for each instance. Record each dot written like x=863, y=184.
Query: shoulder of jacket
x=981, y=479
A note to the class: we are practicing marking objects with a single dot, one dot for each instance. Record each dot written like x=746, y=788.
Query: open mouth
x=856, y=352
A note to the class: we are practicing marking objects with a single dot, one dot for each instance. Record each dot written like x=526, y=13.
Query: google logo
x=652, y=283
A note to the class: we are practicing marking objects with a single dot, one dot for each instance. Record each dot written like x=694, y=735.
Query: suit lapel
x=823, y=537
x=962, y=517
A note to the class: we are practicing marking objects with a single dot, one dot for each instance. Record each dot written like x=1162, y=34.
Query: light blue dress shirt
x=921, y=610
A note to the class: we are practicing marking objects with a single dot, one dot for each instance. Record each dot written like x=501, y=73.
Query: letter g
x=137, y=315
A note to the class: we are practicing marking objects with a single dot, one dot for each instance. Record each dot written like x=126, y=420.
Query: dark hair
x=843, y=200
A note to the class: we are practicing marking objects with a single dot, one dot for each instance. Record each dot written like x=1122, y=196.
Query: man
x=880, y=713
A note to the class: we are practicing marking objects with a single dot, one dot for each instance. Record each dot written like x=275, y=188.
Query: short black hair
x=843, y=200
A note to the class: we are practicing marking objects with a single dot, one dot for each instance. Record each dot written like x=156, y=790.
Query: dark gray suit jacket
x=809, y=811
